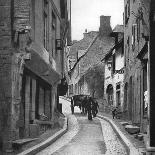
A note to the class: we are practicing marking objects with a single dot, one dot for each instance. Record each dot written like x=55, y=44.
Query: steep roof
x=96, y=44
x=96, y=52
x=118, y=28
x=82, y=44
x=109, y=53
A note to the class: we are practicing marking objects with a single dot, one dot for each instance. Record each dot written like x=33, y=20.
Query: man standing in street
x=72, y=105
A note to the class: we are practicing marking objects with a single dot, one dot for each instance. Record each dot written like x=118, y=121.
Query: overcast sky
x=86, y=15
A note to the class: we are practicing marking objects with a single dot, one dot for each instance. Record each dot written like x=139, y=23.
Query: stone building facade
x=77, y=50
x=136, y=32
x=32, y=36
x=88, y=53
x=114, y=72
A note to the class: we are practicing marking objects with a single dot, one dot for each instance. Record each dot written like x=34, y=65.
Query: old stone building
x=77, y=50
x=89, y=51
x=136, y=32
x=32, y=37
x=114, y=72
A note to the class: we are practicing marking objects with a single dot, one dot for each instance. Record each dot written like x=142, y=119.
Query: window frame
x=45, y=22
x=134, y=36
x=127, y=11
x=54, y=22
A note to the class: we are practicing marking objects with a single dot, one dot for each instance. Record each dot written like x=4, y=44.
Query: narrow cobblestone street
x=85, y=137
x=63, y=62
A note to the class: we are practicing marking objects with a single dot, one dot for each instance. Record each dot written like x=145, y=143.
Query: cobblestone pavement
x=66, y=138
x=113, y=143
x=73, y=128
x=88, y=141
x=86, y=137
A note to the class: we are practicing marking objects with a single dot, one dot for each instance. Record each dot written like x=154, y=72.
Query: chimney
x=85, y=34
x=105, y=27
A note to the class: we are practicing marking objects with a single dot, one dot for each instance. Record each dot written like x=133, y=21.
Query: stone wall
x=5, y=72
x=133, y=65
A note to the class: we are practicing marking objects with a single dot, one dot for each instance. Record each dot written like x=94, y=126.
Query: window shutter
x=135, y=27
x=125, y=14
x=138, y=30
x=134, y=34
x=128, y=8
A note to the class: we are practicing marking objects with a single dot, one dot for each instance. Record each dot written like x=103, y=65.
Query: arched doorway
x=109, y=93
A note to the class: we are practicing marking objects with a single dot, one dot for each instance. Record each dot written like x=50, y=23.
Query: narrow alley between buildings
x=77, y=77
x=85, y=137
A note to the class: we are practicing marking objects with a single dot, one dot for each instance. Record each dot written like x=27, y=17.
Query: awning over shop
x=41, y=68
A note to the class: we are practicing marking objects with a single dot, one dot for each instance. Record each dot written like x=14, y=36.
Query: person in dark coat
x=89, y=108
x=114, y=111
x=72, y=105
x=95, y=107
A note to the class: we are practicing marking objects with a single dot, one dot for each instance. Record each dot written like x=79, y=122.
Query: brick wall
x=16, y=15
x=5, y=72
x=5, y=24
x=21, y=13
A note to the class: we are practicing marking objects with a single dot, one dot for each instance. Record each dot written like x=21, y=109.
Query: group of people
x=87, y=106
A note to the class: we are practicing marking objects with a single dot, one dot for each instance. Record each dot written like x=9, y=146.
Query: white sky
x=86, y=15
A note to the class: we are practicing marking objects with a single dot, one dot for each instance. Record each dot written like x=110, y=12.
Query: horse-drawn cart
x=79, y=101
x=86, y=103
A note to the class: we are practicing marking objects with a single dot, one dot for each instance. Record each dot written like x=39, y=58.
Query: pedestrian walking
x=114, y=112
x=89, y=108
x=72, y=105
x=95, y=107
x=83, y=103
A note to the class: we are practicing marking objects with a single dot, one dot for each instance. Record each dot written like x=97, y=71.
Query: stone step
x=132, y=129
x=124, y=123
x=19, y=142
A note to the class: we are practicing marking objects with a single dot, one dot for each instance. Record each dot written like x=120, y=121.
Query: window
x=76, y=88
x=113, y=63
x=110, y=98
x=118, y=92
x=70, y=89
x=138, y=30
x=134, y=35
x=145, y=102
x=53, y=34
x=128, y=4
x=117, y=86
x=127, y=11
x=45, y=18
x=128, y=50
x=118, y=98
